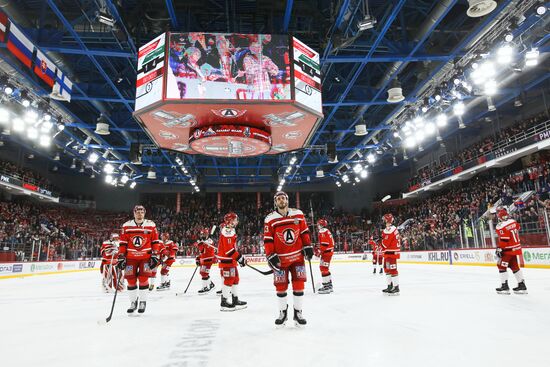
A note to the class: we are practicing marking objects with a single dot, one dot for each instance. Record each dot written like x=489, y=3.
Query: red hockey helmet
x=204, y=232
x=388, y=218
x=322, y=223
x=502, y=213
x=231, y=218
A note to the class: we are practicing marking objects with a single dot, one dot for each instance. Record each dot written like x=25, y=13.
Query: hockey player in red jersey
x=168, y=258
x=508, y=251
x=326, y=250
x=161, y=251
x=376, y=254
x=110, y=276
x=390, y=247
x=137, y=255
x=287, y=243
x=207, y=256
x=228, y=258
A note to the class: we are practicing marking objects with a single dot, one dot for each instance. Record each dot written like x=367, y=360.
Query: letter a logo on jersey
x=138, y=241
x=288, y=236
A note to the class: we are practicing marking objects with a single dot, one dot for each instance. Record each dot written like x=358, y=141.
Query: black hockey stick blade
x=270, y=271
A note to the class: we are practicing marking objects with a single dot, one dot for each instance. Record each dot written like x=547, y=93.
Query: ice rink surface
x=445, y=316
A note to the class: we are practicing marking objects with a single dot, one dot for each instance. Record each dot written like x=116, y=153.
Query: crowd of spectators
x=477, y=149
x=438, y=219
x=26, y=175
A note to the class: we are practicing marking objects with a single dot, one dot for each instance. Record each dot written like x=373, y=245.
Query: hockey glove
x=308, y=252
x=198, y=261
x=121, y=263
x=317, y=251
x=241, y=260
x=154, y=261
x=498, y=253
x=274, y=262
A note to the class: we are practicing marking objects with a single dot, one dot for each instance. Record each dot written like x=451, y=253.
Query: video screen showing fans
x=228, y=66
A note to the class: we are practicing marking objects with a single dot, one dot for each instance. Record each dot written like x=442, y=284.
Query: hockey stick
x=315, y=236
x=101, y=322
x=311, y=273
x=270, y=271
x=190, y=280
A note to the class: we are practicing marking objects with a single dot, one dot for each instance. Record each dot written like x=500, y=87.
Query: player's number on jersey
x=515, y=234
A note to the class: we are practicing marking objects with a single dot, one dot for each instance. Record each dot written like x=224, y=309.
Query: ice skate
x=326, y=288
x=225, y=306
x=503, y=289
x=299, y=320
x=520, y=289
x=133, y=307
x=142, y=305
x=239, y=305
x=394, y=291
x=283, y=317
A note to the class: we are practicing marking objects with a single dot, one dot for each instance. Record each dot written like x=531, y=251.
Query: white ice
x=445, y=316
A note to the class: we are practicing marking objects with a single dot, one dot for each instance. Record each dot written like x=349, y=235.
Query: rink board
x=533, y=257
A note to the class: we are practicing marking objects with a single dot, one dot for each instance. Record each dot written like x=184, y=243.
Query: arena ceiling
x=423, y=44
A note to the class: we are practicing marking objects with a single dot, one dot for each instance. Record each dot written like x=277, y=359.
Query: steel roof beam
x=288, y=12
x=95, y=52
x=172, y=13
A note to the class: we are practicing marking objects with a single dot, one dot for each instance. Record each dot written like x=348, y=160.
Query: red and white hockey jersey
x=286, y=236
x=227, y=251
x=390, y=242
x=139, y=241
x=109, y=251
x=207, y=250
x=170, y=249
x=508, y=236
x=326, y=241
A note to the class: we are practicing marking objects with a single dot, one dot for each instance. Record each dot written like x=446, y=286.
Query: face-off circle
x=230, y=141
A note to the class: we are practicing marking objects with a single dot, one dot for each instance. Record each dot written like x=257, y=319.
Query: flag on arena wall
x=4, y=23
x=258, y=200
x=298, y=200
x=178, y=202
x=219, y=201
x=44, y=68
x=62, y=87
x=20, y=46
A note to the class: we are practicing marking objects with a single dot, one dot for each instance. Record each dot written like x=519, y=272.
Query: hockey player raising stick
x=287, y=243
x=376, y=253
x=391, y=247
x=325, y=251
x=509, y=248
x=110, y=275
x=137, y=255
x=228, y=258
x=207, y=255
x=168, y=258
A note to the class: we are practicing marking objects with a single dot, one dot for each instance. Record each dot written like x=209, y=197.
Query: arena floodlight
x=357, y=168
x=133, y=184
x=18, y=124
x=490, y=87
x=93, y=157
x=8, y=90
x=371, y=158
x=429, y=128
x=504, y=54
x=459, y=109
x=410, y=142
x=532, y=57
x=108, y=168
x=32, y=133
x=441, y=120
x=45, y=141
x=364, y=173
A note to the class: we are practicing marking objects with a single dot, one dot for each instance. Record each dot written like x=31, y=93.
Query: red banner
x=298, y=200
x=219, y=202
x=178, y=202
x=258, y=200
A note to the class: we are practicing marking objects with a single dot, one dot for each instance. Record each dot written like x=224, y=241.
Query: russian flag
x=20, y=46
x=44, y=68
x=63, y=87
x=4, y=22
